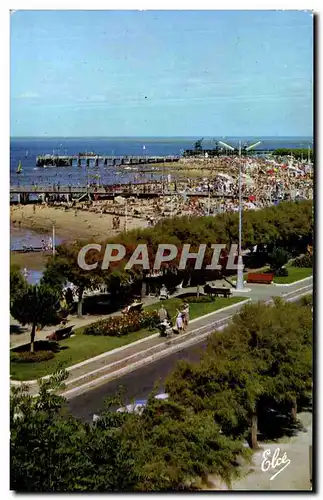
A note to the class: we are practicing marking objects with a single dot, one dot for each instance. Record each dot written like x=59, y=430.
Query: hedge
x=31, y=357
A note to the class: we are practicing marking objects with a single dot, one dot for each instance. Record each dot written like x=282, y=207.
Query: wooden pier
x=97, y=160
x=102, y=192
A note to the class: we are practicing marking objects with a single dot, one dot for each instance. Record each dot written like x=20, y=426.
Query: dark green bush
x=277, y=259
x=303, y=261
x=31, y=357
x=281, y=272
x=200, y=299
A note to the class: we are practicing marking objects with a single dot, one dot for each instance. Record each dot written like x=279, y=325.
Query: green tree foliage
x=17, y=281
x=278, y=258
x=36, y=305
x=65, y=268
x=262, y=358
x=297, y=153
x=167, y=448
x=288, y=225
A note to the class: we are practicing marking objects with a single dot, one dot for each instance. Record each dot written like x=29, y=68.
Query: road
x=139, y=383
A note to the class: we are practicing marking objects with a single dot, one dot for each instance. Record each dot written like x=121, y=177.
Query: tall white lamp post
x=240, y=261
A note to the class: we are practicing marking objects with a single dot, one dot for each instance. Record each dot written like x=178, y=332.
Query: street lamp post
x=53, y=241
x=240, y=283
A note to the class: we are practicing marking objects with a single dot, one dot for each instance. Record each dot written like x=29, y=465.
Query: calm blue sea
x=27, y=149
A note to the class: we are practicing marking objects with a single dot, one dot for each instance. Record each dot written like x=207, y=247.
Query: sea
x=26, y=150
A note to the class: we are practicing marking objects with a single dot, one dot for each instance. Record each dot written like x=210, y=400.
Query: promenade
x=115, y=364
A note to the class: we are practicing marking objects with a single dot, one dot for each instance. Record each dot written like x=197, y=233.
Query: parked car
x=136, y=407
x=139, y=404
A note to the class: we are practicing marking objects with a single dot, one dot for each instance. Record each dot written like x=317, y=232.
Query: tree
x=17, y=281
x=36, y=305
x=167, y=448
x=262, y=358
x=65, y=268
x=277, y=259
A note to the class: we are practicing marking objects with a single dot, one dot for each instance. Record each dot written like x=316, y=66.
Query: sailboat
x=19, y=169
x=26, y=154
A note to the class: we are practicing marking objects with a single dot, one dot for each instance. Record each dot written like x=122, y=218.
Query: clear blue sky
x=161, y=73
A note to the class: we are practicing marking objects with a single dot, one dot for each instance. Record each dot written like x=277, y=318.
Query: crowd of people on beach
x=264, y=181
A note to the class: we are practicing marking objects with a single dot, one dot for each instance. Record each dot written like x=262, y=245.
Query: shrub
x=277, y=259
x=303, y=261
x=122, y=325
x=281, y=272
x=40, y=345
x=31, y=357
x=200, y=299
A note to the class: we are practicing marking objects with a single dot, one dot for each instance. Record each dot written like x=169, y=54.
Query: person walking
x=186, y=315
x=179, y=321
x=162, y=313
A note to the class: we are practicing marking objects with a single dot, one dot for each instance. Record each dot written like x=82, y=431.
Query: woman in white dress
x=179, y=321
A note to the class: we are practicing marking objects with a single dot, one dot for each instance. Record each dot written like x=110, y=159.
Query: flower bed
x=117, y=326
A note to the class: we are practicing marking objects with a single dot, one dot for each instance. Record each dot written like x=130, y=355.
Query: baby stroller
x=165, y=328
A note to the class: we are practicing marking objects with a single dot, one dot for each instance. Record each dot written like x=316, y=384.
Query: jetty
x=90, y=159
x=146, y=191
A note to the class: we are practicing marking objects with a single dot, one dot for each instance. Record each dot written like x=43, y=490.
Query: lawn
x=294, y=274
x=81, y=347
x=197, y=309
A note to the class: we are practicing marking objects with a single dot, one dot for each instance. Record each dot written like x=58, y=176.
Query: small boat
x=26, y=154
x=19, y=169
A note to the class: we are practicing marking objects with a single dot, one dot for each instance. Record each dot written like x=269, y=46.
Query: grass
x=197, y=309
x=81, y=347
x=73, y=351
x=294, y=274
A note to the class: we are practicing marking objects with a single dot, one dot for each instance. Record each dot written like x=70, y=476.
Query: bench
x=261, y=278
x=136, y=307
x=61, y=333
x=215, y=292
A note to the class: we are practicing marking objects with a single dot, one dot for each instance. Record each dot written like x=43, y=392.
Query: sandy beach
x=69, y=226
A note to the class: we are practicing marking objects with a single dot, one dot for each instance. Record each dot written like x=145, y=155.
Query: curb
x=119, y=349
x=294, y=282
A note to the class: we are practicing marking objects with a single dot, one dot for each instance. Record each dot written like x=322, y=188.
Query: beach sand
x=83, y=225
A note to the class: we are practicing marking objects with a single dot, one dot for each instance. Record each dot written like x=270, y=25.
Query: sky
x=161, y=73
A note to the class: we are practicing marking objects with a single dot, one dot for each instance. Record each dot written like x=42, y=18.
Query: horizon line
x=154, y=136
